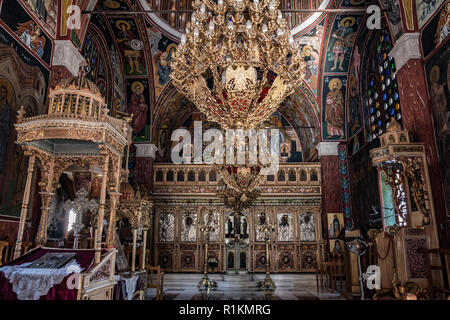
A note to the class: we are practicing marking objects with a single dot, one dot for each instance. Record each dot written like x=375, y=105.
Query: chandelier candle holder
x=205, y=227
x=239, y=181
x=237, y=61
x=238, y=186
x=267, y=228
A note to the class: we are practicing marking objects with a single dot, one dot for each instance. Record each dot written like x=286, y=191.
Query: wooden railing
x=290, y=178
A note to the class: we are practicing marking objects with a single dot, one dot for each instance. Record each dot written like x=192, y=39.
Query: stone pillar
x=145, y=154
x=417, y=116
x=330, y=179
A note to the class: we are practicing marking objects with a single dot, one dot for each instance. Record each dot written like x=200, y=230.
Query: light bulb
x=202, y=9
x=196, y=32
x=256, y=2
x=279, y=32
x=211, y=25
x=183, y=39
x=220, y=2
x=271, y=6
x=230, y=25
x=264, y=28
x=280, y=16
x=249, y=25
x=193, y=18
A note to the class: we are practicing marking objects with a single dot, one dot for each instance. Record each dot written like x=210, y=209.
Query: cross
x=80, y=205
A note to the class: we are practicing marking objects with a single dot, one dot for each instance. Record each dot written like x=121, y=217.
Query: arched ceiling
x=176, y=22
x=140, y=48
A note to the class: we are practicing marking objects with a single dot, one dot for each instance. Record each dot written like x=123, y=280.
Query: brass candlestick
x=268, y=283
x=205, y=283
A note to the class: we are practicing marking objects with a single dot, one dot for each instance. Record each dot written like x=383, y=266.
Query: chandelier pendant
x=237, y=61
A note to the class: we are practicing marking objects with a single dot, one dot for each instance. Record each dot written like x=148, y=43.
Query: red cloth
x=84, y=258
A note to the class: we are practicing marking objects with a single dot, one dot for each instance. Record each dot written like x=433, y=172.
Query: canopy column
x=26, y=200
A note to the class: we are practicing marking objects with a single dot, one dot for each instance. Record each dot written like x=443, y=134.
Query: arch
x=169, y=175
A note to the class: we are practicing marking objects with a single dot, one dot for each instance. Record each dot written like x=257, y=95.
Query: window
x=159, y=176
x=202, y=176
x=382, y=88
x=292, y=176
x=169, y=176
x=303, y=175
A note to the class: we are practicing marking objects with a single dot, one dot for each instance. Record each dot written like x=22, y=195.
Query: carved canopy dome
x=80, y=82
x=127, y=191
x=77, y=97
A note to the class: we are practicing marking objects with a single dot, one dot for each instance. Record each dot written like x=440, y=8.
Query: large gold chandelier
x=238, y=186
x=229, y=52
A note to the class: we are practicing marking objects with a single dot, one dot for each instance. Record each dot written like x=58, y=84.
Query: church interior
x=113, y=178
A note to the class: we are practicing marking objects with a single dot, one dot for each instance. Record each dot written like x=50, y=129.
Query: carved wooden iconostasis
x=296, y=245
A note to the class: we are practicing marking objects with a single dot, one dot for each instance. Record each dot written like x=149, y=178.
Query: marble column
x=330, y=179
x=417, y=115
x=145, y=154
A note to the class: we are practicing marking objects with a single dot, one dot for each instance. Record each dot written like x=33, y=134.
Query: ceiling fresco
x=178, y=21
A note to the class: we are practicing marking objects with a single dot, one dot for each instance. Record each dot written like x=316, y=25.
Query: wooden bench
x=443, y=253
x=330, y=271
x=157, y=283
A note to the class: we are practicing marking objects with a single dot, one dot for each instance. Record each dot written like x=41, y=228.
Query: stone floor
x=244, y=287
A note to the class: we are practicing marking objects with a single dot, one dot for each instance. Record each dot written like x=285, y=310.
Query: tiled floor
x=245, y=287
